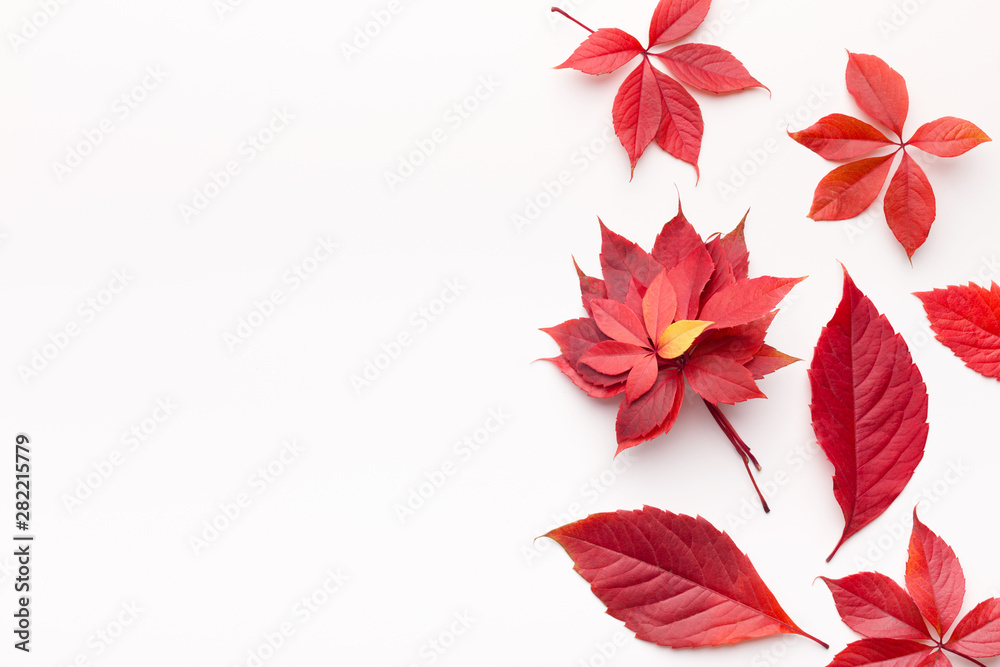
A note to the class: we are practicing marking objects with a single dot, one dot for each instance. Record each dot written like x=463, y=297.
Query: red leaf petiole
x=972, y=660
x=559, y=11
x=741, y=448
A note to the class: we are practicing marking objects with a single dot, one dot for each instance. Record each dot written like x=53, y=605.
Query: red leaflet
x=875, y=606
x=648, y=329
x=869, y=409
x=967, y=320
x=674, y=580
x=934, y=577
x=650, y=105
x=851, y=188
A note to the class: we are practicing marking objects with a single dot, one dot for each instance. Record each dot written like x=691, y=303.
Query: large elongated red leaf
x=841, y=137
x=604, y=51
x=637, y=111
x=673, y=19
x=869, y=409
x=947, y=137
x=878, y=89
x=673, y=579
x=746, y=301
x=708, y=68
x=977, y=635
x=884, y=653
x=681, y=126
x=967, y=320
x=934, y=577
x=874, y=605
x=849, y=189
x=910, y=207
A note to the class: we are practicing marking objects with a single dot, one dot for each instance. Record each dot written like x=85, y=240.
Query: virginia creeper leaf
x=747, y=300
x=934, y=577
x=679, y=337
x=603, y=52
x=621, y=261
x=909, y=205
x=637, y=111
x=840, y=137
x=947, y=137
x=967, y=320
x=767, y=360
x=673, y=579
x=708, y=68
x=883, y=653
x=869, y=409
x=878, y=89
x=874, y=605
x=653, y=413
x=977, y=635
x=681, y=125
x=673, y=19
x=659, y=306
x=719, y=379
x=849, y=189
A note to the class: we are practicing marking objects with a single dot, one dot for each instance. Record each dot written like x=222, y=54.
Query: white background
x=468, y=550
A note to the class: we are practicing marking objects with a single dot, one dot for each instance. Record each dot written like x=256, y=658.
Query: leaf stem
x=559, y=11
x=961, y=655
x=741, y=448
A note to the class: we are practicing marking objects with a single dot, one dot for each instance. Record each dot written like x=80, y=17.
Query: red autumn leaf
x=967, y=320
x=909, y=205
x=708, y=68
x=947, y=137
x=893, y=619
x=934, y=577
x=673, y=19
x=884, y=653
x=648, y=330
x=603, y=52
x=869, y=409
x=848, y=190
x=978, y=634
x=649, y=104
x=840, y=137
x=874, y=605
x=673, y=579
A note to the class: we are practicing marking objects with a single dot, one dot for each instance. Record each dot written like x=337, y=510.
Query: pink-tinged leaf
x=659, y=306
x=840, y=137
x=633, y=300
x=689, y=278
x=642, y=378
x=878, y=89
x=967, y=320
x=909, y=205
x=673, y=579
x=849, y=189
x=747, y=300
x=767, y=360
x=869, y=409
x=721, y=380
x=590, y=288
x=673, y=19
x=575, y=338
x=934, y=577
x=737, y=343
x=614, y=358
x=875, y=606
x=676, y=241
x=681, y=126
x=708, y=68
x=603, y=52
x=947, y=137
x=653, y=414
x=637, y=111
x=593, y=390
x=618, y=322
x=734, y=245
x=977, y=635
x=883, y=653
x=622, y=260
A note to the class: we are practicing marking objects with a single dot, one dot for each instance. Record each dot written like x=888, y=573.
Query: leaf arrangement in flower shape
x=686, y=310
x=673, y=579
x=848, y=190
x=893, y=619
x=651, y=106
x=967, y=320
